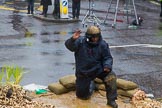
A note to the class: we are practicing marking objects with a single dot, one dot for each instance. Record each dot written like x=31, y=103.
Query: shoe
x=45, y=15
x=77, y=17
x=113, y=104
x=73, y=17
x=28, y=13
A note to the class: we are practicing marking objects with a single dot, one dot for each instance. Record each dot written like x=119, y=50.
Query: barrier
x=64, y=9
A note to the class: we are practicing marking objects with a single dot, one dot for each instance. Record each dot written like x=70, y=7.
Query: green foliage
x=18, y=74
x=1, y=75
x=11, y=74
x=8, y=70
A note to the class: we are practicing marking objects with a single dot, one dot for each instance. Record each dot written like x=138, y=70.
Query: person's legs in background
x=45, y=9
x=74, y=9
x=29, y=6
x=56, y=11
x=32, y=7
x=78, y=10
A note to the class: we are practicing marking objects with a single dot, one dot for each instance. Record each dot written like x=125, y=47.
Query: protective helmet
x=93, y=31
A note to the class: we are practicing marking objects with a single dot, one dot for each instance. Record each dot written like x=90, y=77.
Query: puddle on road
x=16, y=20
x=12, y=46
x=17, y=24
x=63, y=33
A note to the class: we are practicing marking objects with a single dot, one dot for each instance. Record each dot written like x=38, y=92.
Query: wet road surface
x=137, y=52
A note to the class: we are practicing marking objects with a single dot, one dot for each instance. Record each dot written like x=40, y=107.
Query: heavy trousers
x=83, y=85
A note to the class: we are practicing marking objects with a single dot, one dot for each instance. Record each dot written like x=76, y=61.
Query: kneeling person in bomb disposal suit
x=93, y=60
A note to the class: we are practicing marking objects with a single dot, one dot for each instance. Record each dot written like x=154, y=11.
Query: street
x=137, y=52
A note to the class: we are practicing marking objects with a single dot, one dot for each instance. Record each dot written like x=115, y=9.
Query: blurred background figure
x=45, y=4
x=161, y=8
x=56, y=11
x=76, y=8
x=30, y=6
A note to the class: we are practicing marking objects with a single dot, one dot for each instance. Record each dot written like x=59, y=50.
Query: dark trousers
x=56, y=11
x=45, y=9
x=30, y=6
x=83, y=85
x=76, y=9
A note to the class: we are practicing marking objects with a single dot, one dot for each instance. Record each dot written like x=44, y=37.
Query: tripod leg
x=108, y=11
x=85, y=17
x=116, y=12
x=127, y=11
x=135, y=12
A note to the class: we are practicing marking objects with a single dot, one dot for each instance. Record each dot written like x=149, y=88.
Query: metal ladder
x=126, y=9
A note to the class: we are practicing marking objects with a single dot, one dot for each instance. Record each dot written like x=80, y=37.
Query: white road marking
x=138, y=45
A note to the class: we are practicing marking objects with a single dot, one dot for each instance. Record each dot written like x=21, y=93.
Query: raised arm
x=72, y=43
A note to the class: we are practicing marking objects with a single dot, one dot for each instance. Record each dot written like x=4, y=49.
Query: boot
x=113, y=104
x=45, y=15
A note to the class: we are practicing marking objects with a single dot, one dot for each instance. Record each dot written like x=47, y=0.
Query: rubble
x=13, y=96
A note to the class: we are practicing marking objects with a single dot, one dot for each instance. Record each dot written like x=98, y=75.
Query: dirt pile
x=15, y=97
x=140, y=100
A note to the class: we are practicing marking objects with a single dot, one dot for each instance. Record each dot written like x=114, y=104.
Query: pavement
x=100, y=6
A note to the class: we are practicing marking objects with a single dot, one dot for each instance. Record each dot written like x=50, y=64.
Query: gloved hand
x=76, y=34
x=106, y=69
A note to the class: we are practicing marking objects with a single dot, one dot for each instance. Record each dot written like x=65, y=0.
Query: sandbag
x=128, y=93
x=102, y=93
x=100, y=87
x=57, y=88
x=126, y=85
x=98, y=81
x=68, y=81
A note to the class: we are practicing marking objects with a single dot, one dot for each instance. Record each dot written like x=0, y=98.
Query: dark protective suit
x=91, y=58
